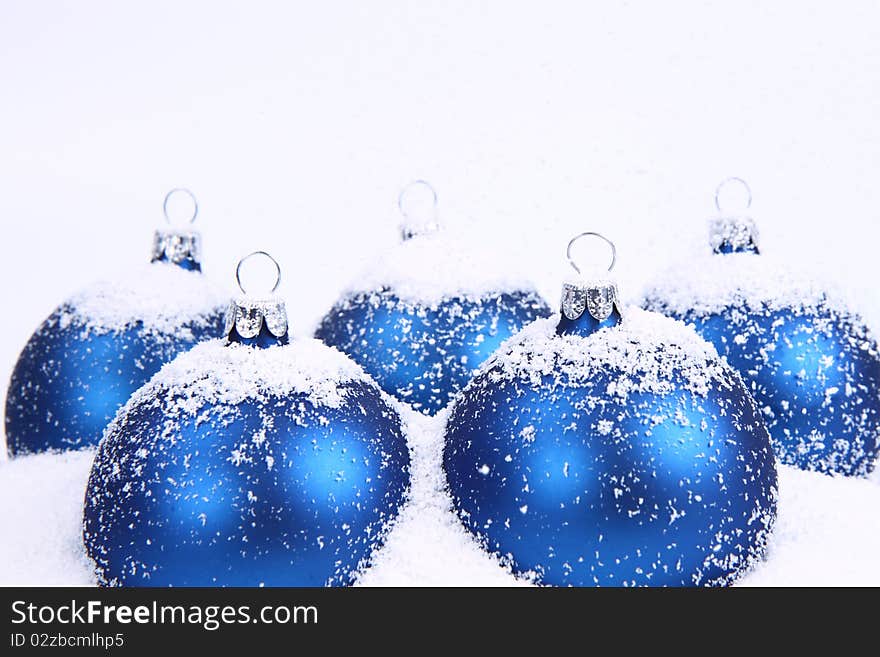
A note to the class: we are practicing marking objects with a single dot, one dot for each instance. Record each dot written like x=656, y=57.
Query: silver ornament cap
x=248, y=315
x=418, y=205
x=179, y=242
x=597, y=296
x=733, y=232
x=177, y=246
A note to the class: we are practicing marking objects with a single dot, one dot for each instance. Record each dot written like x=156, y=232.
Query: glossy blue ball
x=815, y=373
x=71, y=379
x=570, y=481
x=280, y=491
x=421, y=354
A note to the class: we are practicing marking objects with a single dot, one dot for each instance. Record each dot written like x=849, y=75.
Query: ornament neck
x=408, y=232
x=257, y=322
x=180, y=247
x=587, y=307
x=732, y=248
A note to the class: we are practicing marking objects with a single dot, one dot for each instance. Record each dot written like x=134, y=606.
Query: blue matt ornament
x=811, y=362
x=98, y=347
x=430, y=313
x=250, y=461
x=424, y=354
x=604, y=447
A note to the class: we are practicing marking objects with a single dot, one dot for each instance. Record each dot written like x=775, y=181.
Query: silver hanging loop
x=589, y=234
x=178, y=191
x=726, y=183
x=248, y=257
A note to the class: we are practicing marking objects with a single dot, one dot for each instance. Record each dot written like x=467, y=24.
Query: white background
x=296, y=124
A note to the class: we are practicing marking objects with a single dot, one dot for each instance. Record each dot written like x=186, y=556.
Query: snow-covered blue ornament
x=429, y=313
x=254, y=460
x=612, y=447
x=810, y=360
x=102, y=344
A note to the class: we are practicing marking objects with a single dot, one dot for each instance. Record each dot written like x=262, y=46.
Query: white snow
x=827, y=532
x=429, y=268
x=213, y=372
x=161, y=296
x=653, y=353
x=708, y=283
x=41, y=514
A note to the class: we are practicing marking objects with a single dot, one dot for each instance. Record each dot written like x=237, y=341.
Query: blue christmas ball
x=811, y=362
x=241, y=465
x=424, y=320
x=614, y=453
x=97, y=348
x=424, y=354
